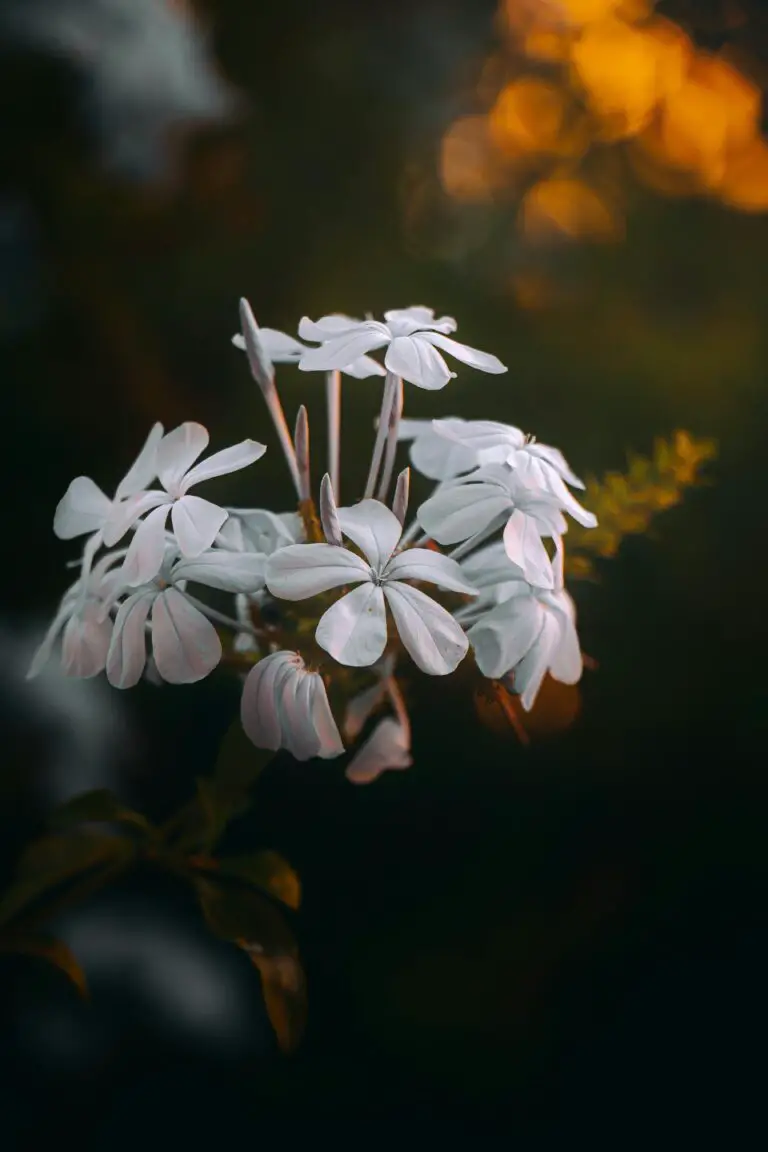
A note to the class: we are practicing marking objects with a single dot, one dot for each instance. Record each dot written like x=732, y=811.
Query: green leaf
x=54, y=951
x=239, y=764
x=252, y=922
x=97, y=807
x=52, y=861
x=266, y=870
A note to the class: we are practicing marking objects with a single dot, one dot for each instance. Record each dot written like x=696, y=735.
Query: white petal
x=229, y=571
x=281, y=348
x=420, y=315
x=503, y=637
x=458, y=512
x=303, y=570
x=388, y=747
x=525, y=548
x=43, y=653
x=329, y=738
x=177, y=452
x=327, y=327
x=364, y=367
x=144, y=468
x=128, y=651
x=266, y=531
x=343, y=350
x=298, y=730
x=434, y=640
x=484, y=361
x=196, y=523
x=362, y=706
x=482, y=436
x=259, y=362
x=231, y=535
x=222, y=463
x=144, y=558
x=410, y=429
x=555, y=457
x=424, y=564
x=531, y=670
x=490, y=565
x=185, y=644
x=258, y=706
x=566, y=663
x=354, y=629
x=85, y=643
x=374, y=528
x=126, y=512
x=417, y=361
x=83, y=508
x=441, y=459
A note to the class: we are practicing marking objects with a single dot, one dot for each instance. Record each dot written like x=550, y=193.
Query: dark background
x=524, y=945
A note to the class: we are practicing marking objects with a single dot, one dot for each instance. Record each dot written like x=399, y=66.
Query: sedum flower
x=532, y=631
x=279, y=348
x=284, y=705
x=196, y=522
x=412, y=337
x=354, y=629
x=185, y=645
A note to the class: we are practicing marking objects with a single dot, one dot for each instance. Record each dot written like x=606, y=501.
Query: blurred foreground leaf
x=251, y=921
x=97, y=807
x=266, y=870
x=54, y=951
x=53, y=862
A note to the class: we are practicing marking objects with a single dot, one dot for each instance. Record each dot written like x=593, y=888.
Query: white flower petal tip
x=285, y=706
x=387, y=749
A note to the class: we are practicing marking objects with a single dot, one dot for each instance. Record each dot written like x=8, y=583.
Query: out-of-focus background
x=532, y=943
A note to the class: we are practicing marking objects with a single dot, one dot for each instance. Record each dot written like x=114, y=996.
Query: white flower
x=286, y=706
x=531, y=632
x=279, y=348
x=86, y=630
x=540, y=465
x=497, y=577
x=433, y=454
x=493, y=496
x=196, y=522
x=354, y=629
x=388, y=747
x=411, y=337
x=85, y=509
x=185, y=645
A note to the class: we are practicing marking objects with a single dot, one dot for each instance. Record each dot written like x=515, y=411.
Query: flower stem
x=333, y=405
x=220, y=618
x=395, y=413
x=387, y=400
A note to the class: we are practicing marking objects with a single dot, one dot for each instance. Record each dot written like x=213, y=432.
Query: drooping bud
x=402, y=489
x=328, y=515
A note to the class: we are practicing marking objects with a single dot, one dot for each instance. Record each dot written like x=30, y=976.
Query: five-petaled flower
x=354, y=629
x=196, y=522
x=411, y=337
x=280, y=348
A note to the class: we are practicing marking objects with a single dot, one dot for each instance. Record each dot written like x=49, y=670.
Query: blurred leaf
x=266, y=870
x=239, y=764
x=252, y=921
x=97, y=807
x=54, y=951
x=240, y=914
x=52, y=861
x=285, y=997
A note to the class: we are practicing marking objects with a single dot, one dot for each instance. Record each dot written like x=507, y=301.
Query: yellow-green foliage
x=624, y=503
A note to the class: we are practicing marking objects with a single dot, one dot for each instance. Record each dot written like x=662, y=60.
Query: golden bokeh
x=604, y=76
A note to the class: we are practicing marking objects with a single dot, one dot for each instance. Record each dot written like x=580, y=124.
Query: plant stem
x=333, y=404
x=387, y=400
x=395, y=414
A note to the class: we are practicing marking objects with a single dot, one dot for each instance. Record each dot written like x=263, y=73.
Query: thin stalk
x=220, y=618
x=395, y=414
x=333, y=404
x=387, y=400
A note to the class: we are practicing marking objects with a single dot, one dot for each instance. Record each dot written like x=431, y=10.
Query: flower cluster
x=329, y=601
